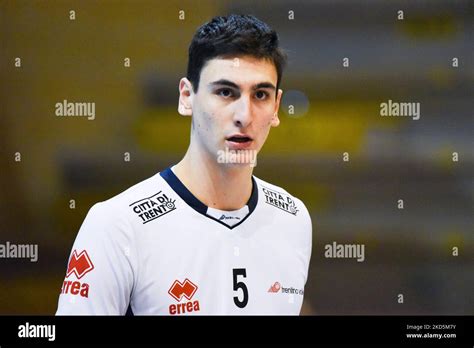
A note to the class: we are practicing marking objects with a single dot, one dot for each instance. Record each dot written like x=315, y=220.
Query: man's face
x=235, y=106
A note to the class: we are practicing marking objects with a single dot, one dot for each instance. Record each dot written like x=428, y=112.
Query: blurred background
x=334, y=109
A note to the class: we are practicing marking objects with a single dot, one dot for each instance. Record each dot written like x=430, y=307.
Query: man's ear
x=275, y=120
x=186, y=93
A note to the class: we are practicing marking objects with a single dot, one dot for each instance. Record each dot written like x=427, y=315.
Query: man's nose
x=243, y=112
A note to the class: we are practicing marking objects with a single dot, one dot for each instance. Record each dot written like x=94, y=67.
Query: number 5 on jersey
x=240, y=285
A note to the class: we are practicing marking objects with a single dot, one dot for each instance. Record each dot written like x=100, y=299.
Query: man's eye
x=226, y=93
x=261, y=95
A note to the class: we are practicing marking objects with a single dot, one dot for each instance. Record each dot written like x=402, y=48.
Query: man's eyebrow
x=224, y=82
x=264, y=85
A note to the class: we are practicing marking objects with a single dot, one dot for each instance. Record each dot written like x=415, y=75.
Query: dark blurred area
x=336, y=110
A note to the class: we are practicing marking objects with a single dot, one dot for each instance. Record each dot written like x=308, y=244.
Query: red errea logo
x=186, y=289
x=79, y=265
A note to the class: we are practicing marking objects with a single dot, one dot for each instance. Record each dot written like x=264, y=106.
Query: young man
x=203, y=236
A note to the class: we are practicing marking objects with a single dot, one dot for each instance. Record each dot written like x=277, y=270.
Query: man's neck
x=218, y=186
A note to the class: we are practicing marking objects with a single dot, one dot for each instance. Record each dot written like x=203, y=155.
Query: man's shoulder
x=117, y=218
x=121, y=205
x=280, y=198
x=265, y=184
x=288, y=212
x=142, y=188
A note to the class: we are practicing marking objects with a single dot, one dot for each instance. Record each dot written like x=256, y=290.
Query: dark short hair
x=233, y=35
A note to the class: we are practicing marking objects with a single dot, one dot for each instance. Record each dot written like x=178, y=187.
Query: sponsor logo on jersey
x=153, y=207
x=183, y=290
x=79, y=265
x=224, y=217
x=280, y=200
x=276, y=287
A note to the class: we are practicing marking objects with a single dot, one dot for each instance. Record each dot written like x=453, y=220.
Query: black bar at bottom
x=411, y=330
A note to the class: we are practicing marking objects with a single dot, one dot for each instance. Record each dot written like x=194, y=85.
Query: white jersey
x=156, y=249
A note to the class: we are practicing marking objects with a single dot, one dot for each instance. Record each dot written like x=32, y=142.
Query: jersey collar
x=197, y=205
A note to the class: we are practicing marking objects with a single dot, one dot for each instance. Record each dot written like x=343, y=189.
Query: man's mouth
x=239, y=142
x=239, y=139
